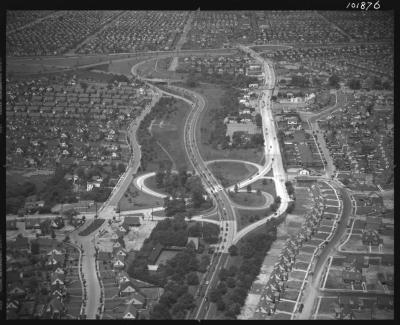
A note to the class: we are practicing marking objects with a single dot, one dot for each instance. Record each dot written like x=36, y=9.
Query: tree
x=277, y=200
x=249, y=188
x=264, y=181
x=258, y=192
x=160, y=311
x=192, y=278
x=35, y=248
x=236, y=188
x=160, y=178
x=354, y=84
x=223, y=274
x=273, y=206
x=121, y=168
x=258, y=120
x=214, y=295
x=334, y=81
x=220, y=305
x=53, y=234
x=233, y=310
x=233, y=250
x=230, y=282
x=290, y=208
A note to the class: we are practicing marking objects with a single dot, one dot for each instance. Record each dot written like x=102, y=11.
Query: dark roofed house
x=131, y=221
x=131, y=312
x=351, y=276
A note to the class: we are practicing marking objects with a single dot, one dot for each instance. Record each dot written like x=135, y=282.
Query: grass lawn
x=212, y=94
x=269, y=186
x=169, y=133
x=151, y=184
x=229, y=173
x=248, y=199
x=247, y=217
x=159, y=213
x=134, y=199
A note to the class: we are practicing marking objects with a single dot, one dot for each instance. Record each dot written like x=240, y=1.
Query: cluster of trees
x=150, y=149
x=208, y=231
x=275, y=205
x=178, y=273
x=56, y=190
x=289, y=187
x=290, y=207
x=180, y=186
x=235, y=282
x=333, y=81
x=244, y=140
x=113, y=170
x=299, y=81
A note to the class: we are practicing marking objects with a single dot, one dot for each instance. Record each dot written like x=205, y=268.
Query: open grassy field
x=269, y=186
x=212, y=94
x=169, y=133
x=248, y=199
x=247, y=217
x=229, y=173
x=16, y=179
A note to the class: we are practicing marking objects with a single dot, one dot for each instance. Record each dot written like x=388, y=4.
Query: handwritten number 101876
x=363, y=5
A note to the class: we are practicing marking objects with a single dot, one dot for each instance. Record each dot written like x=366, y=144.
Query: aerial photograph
x=199, y=164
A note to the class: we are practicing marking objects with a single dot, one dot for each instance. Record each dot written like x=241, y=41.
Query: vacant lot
x=248, y=199
x=230, y=173
x=169, y=134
